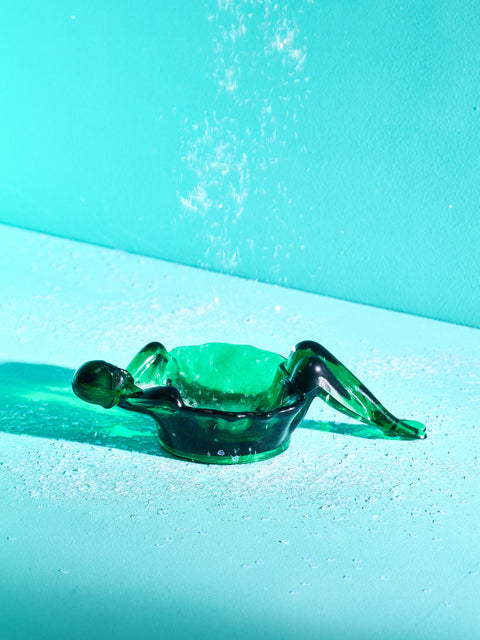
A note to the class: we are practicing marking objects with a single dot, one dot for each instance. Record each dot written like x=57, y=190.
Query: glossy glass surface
x=229, y=403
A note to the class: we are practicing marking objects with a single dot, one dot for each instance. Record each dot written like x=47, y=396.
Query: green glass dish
x=225, y=403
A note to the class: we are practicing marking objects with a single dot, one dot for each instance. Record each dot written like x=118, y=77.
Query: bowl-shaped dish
x=227, y=403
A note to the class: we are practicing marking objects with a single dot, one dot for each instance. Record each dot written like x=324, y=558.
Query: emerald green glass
x=225, y=403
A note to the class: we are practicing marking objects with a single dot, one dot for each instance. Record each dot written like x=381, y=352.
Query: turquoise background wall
x=327, y=146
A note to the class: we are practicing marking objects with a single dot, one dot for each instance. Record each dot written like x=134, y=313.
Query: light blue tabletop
x=102, y=535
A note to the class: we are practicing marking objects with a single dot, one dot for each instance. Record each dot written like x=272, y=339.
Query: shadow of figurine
x=37, y=400
x=353, y=429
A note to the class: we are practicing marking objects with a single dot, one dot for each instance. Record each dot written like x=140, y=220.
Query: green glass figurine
x=228, y=403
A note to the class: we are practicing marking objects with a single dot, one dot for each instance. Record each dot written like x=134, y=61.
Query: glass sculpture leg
x=343, y=391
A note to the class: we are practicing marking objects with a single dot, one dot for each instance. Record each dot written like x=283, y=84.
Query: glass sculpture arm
x=318, y=371
x=149, y=363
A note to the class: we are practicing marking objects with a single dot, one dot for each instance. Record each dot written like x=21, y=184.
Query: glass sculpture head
x=102, y=383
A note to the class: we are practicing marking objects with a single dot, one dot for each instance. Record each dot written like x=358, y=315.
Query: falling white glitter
x=258, y=71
